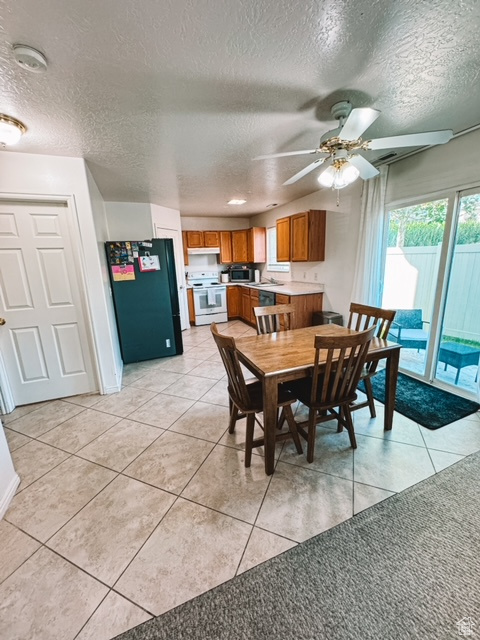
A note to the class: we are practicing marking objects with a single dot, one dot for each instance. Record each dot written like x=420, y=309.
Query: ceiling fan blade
x=412, y=140
x=304, y=172
x=357, y=122
x=287, y=153
x=366, y=169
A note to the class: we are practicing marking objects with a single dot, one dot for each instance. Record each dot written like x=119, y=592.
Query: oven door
x=210, y=300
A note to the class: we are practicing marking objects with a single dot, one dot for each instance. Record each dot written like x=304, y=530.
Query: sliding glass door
x=432, y=278
x=415, y=240
x=459, y=344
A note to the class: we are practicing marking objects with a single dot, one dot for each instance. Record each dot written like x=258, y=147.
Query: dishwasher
x=266, y=298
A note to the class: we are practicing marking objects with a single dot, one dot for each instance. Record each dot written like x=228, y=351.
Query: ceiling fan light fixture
x=339, y=175
x=11, y=130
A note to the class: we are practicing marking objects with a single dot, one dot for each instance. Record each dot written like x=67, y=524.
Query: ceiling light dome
x=339, y=175
x=11, y=130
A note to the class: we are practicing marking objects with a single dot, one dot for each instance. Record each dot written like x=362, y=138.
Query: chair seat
x=256, y=398
x=302, y=390
x=409, y=334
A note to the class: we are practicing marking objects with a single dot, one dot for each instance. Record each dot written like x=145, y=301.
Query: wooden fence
x=411, y=279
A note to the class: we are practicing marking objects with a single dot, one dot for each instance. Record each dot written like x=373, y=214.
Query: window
x=272, y=264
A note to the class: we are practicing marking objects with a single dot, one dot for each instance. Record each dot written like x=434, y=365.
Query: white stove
x=209, y=297
x=203, y=279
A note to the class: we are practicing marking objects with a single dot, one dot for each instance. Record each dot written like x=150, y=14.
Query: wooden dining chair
x=247, y=399
x=331, y=390
x=277, y=317
x=362, y=317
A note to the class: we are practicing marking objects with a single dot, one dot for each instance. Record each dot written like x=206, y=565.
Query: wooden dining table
x=288, y=355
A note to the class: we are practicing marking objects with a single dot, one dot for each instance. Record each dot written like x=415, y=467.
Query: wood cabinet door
x=185, y=247
x=283, y=240
x=234, y=302
x=246, y=311
x=226, y=247
x=194, y=239
x=282, y=299
x=240, y=245
x=211, y=239
x=254, y=302
x=257, y=244
x=299, y=237
x=191, y=306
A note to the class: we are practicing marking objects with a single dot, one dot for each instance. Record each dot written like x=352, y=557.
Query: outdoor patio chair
x=407, y=329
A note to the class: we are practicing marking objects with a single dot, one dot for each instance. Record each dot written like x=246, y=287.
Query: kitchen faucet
x=271, y=280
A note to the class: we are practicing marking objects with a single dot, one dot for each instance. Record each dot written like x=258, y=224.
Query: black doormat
x=431, y=407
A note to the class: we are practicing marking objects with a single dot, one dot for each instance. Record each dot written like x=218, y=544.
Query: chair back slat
x=363, y=317
x=236, y=381
x=338, y=365
x=277, y=317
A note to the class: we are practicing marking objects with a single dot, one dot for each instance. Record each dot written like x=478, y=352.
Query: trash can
x=327, y=317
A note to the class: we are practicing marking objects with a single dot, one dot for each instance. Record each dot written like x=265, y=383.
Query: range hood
x=204, y=251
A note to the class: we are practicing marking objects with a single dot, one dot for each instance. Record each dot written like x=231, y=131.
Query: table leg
x=270, y=399
x=391, y=377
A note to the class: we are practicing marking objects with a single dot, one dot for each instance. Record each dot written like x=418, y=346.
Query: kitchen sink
x=266, y=284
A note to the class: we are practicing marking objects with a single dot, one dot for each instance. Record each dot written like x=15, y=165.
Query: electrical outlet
x=304, y=275
x=315, y=276
x=167, y=342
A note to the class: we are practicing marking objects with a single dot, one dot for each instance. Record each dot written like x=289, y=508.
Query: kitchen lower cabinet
x=234, y=301
x=305, y=306
x=191, y=306
x=246, y=305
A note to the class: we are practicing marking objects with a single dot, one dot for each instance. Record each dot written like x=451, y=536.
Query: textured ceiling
x=170, y=101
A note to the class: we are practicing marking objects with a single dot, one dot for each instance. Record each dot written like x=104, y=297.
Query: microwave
x=241, y=274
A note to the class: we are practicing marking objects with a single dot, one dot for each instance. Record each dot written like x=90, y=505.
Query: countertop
x=288, y=289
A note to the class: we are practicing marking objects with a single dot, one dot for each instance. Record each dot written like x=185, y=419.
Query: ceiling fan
x=338, y=148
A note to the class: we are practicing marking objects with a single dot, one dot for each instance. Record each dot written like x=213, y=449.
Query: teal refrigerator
x=145, y=298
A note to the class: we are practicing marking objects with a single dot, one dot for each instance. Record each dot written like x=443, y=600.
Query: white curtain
x=369, y=266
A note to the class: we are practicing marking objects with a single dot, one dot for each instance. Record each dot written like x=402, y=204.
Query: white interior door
x=44, y=341
x=162, y=232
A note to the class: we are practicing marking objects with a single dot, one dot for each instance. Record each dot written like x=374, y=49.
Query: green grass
x=468, y=343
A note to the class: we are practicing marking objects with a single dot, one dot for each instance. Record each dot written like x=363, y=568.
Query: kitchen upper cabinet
x=234, y=301
x=240, y=245
x=211, y=239
x=257, y=244
x=226, y=256
x=283, y=240
x=307, y=236
x=194, y=239
x=202, y=239
x=185, y=247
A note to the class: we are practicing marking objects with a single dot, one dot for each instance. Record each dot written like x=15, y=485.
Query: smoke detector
x=29, y=58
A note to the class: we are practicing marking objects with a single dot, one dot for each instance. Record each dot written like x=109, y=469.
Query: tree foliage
x=423, y=225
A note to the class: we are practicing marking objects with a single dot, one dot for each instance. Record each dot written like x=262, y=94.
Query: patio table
x=458, y=356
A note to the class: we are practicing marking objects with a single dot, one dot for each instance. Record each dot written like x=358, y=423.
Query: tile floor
x=133, y=503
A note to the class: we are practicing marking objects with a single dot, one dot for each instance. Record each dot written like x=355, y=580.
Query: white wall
x=113, y=379
x=194, y=223
x=129, y=220
x=336, y=272
x=9, y=480
x=47, y=177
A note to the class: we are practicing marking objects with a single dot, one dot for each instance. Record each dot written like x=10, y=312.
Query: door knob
x=2, y=321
